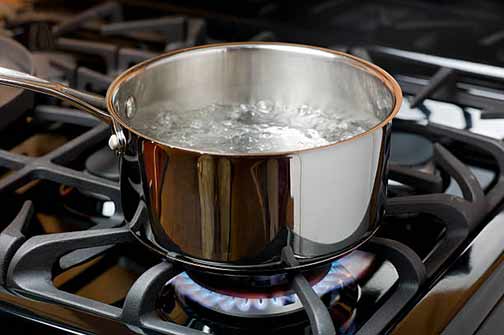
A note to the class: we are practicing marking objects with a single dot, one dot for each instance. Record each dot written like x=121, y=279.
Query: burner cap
x=410, y=149
x=103, y=163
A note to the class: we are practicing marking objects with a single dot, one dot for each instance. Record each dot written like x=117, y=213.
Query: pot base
x=211, y=267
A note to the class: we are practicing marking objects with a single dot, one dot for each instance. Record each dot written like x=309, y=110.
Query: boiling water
x=244, y=128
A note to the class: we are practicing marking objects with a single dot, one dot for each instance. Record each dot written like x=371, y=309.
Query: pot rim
x=372, y=69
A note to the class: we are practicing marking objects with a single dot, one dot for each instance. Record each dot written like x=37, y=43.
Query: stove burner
x=330, y=288
x=410, y=149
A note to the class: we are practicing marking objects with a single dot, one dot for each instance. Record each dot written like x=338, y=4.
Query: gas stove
x=70, y=265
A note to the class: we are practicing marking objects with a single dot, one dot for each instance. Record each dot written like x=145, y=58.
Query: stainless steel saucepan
x=229, y=211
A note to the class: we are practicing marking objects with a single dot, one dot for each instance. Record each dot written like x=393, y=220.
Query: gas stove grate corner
x=50, y=166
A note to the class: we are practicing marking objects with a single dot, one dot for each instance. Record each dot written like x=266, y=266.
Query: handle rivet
x=113, y=142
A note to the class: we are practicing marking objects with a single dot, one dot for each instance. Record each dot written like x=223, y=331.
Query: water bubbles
x=312, y=133
x=234, y=113
x=247, y=114
x=265, y=106
x=261, y=126
x=304, y=110
x=211, y=108
x=245, y=108
x=197, y=124
x=243, y=141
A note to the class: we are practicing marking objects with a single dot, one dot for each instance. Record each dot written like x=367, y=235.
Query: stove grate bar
x=443, y=85
x=482, y=144
x=13, y=161
x=320, y=319
x=80, y=256
x=411, y=273
x=108, y=52
x=65, y=115
x=460, y=216
x=443, y=76
x=51, y=167
x=111, y=10
x=33, y=262
x=139, y=308
x=173, y=26
x=472, y=68
x=128, y=57
x=68, y=67
x=490, y=107
x=87, y=78
x=453, y=213
x=12, y=237
x=424, y=182
x=47, y=167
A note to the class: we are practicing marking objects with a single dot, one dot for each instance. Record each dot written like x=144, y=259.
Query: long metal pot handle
x=84, y=101
x=90, y=103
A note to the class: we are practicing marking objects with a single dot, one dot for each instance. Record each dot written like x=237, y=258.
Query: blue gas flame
x=336, y=278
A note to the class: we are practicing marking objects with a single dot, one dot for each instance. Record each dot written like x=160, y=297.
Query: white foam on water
x=264, y=126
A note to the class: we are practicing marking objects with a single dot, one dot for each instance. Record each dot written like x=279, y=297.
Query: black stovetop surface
x=67, y=262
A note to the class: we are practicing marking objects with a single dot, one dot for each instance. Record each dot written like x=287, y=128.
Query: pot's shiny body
x=237, y=211
x=241, y=212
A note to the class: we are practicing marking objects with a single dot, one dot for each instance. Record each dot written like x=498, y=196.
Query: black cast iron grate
x=27, y=264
